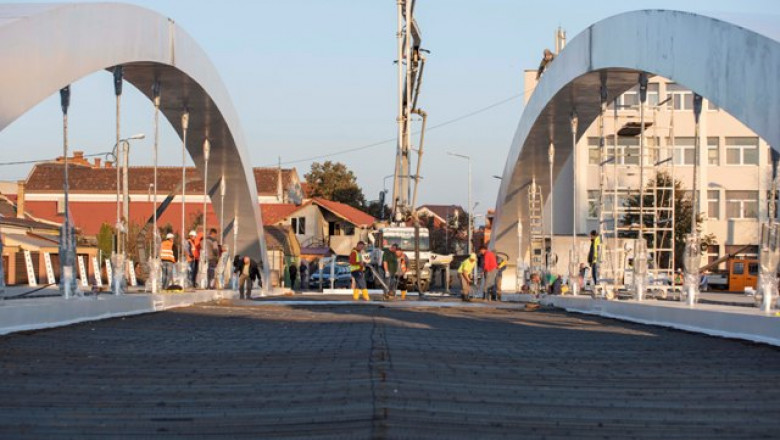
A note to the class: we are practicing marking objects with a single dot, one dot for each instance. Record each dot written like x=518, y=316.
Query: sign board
x=49, y=269
x=109, y=274
x=31, y=280
x=83, y=272
x=131, y=273
x=96, y=266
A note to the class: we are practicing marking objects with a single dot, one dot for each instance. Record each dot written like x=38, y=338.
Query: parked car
x=342, y=274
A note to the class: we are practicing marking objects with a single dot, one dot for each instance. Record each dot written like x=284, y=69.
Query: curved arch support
x=732, y=66
x=42, y=53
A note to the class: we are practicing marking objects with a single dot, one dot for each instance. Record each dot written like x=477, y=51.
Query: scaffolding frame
x=655, y=211
x=536, y=233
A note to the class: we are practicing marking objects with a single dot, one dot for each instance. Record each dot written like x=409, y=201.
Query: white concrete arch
x=732, y=66
x=48, y=46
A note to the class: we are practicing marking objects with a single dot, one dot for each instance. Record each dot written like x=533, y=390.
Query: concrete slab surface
x=241, y=369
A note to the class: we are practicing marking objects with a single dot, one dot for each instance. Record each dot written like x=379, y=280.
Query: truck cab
x=404, y=237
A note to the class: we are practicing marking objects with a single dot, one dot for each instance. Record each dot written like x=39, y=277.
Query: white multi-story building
x=735, y=165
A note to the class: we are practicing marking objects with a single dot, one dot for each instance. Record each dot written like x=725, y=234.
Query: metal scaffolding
x=536, y=229
x=636, y=167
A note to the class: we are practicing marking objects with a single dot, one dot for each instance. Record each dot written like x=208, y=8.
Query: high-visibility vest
x=193, y=250
x=166, y=251
x=596, y=248
x=355, y=262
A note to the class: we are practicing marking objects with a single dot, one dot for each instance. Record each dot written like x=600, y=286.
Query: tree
x=334, y=181
x=683, y=212
x=105, y=239
x=378, y=210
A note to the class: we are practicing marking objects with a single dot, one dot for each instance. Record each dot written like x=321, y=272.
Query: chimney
x=109, y=164
x=20, y=199
x=78, y=155
x=97, y=162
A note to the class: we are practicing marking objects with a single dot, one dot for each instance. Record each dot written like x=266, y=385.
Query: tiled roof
x=273, y=213
x=26, y=223
x=348, y=213
x=48, y=177
x=306, y=190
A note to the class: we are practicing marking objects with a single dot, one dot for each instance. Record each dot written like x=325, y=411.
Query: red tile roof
x=348, y=213
x=48, y=177
x=273, y=213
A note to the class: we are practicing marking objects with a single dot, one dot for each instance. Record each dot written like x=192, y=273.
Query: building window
x=593, y=204
x=684, y=150
x=713, y=151
x=742, y=204
x=682, y=98
x=630, y=99
x=298, y=225
x=713, y=204
x=741, y=151
x=594, y=153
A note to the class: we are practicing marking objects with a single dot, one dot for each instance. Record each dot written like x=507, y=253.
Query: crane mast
x=411, y=62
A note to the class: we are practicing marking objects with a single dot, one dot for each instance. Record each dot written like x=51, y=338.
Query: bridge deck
x=359, y=371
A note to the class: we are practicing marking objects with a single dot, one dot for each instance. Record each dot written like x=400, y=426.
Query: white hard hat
x=192, y=233
x=169, y=235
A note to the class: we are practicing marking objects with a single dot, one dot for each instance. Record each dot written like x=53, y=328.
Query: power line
x=389, y=140
x=28, y=162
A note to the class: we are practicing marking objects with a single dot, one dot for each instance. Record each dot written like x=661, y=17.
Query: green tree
x=683, y=213
x=105, y=239
x=334, y=181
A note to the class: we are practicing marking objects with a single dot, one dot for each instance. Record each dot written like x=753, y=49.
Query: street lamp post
x=204, y=257
x=122, y=150
x=156, y=234
x=471, y=213
x=222, y=189
x=183, y=265
x=551, y=159
x=574, y=254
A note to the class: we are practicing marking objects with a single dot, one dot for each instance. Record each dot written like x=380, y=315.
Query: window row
x=739, y=150
x=679, y=98
x=739, y=204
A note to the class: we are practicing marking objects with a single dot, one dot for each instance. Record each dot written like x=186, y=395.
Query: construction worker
x=465, y=272
x=402, y=265
x=193, y=255
x=168, y=258
x=390, y=266
x=546, y=60
x=593, y=256
x=490, y=269
x=357, y=267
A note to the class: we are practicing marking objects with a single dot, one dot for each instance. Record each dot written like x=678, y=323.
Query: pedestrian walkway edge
x=722, y=321
x=43, y=313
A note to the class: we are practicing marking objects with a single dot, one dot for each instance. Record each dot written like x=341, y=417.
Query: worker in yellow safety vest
x=465, y=270
x=593, y=255
x=356, y=267
x=168, y=258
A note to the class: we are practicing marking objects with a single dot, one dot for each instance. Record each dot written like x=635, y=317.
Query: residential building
x=22, y=232
x=318, y=223
x=734, y=165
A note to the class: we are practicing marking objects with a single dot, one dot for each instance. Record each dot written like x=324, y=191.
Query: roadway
x=287, y=369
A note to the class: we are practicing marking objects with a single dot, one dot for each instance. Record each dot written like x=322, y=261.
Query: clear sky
x=314, y=77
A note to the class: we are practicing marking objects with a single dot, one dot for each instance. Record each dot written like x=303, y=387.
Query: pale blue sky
x=311, y=77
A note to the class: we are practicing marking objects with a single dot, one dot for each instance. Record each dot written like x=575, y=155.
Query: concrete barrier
x=717, y=320
x=40, y=313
